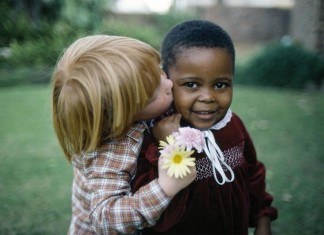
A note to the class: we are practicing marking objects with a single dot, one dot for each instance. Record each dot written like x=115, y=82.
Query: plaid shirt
x=102, y=202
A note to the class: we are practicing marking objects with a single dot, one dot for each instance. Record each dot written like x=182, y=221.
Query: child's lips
x=205, y=115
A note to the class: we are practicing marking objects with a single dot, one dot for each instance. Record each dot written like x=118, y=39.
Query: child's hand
x=166, y=127
x=171, y=185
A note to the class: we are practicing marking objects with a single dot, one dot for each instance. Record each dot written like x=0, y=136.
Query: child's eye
x=221, y=85
x=190, y=85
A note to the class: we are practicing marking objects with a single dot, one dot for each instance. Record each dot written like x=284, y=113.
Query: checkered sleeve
x=114, y=209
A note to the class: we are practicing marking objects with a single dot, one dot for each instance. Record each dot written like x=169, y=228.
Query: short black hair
x=194, y=33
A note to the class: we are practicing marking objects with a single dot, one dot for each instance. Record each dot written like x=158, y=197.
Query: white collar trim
x=222, y=123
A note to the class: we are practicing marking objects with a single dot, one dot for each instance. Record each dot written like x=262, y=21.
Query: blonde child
x=104, y=87
x=228, y=194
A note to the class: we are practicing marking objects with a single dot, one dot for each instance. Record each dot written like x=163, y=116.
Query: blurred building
x=307, y=24
x=248, y=21
x=142, y=6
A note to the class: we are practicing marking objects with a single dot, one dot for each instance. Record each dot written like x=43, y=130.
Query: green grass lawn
x=35, y=179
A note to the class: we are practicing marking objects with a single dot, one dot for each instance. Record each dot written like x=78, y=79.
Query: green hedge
x=31, y=58
x=282, y=66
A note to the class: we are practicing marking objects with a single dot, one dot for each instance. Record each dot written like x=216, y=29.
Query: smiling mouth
x=205, y=115
x=204, y=112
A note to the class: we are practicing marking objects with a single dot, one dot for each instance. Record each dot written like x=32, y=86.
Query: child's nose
x=206, y=95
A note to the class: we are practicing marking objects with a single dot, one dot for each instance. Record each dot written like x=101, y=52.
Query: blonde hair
x=99, y=84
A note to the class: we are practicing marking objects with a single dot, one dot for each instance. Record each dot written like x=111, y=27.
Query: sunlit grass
x=35, y=179
x=287, y=129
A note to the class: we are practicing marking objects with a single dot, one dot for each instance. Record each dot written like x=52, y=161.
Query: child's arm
x=147, y=170
x=161, y=130
x=263, y=226
x=170, y=185
x=113, y=207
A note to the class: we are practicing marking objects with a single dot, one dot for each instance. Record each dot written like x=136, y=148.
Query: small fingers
x=173, y=118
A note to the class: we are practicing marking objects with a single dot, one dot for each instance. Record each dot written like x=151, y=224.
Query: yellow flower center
x=177, y=159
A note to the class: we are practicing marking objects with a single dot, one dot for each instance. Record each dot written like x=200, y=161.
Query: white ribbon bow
x=216, y=157
x=215, y=154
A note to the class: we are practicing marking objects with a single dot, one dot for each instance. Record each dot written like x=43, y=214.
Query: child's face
x=202, y=85
x=159, y=103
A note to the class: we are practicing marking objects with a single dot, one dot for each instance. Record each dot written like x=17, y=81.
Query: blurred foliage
x=149, y=34
x=150, y=29
x=34, y=33
x=283, y=66
x=165, y=22
x=84, y=14
x=23, y=20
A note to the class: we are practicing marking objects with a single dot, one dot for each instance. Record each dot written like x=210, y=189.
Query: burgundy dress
x=205, y=207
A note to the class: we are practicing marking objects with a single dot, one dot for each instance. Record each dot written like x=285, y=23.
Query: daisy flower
x=177, y=162
x=166, y=147
x=178, y=148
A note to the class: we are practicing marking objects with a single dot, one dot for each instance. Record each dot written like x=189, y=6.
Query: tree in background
x=34, y=33
x=85, y=14
x=23, y=20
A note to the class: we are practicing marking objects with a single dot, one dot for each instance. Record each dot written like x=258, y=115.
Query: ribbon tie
x=215, y=154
